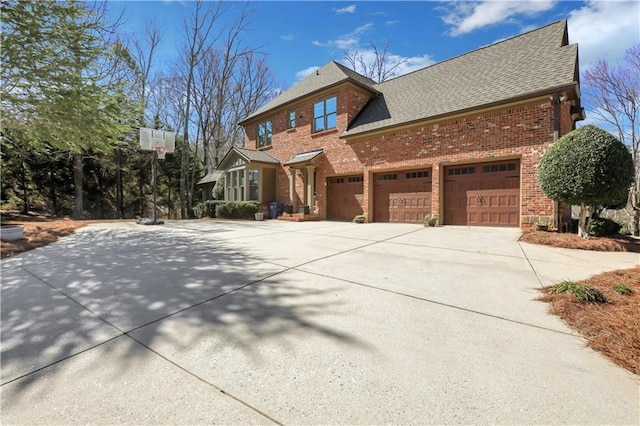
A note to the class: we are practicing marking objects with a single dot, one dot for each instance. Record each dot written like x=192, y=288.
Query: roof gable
x=329, y=75
x=241, y=156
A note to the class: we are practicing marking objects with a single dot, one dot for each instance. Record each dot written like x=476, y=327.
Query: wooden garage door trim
x=402, y=196
x=344, y=197
x=461, y=186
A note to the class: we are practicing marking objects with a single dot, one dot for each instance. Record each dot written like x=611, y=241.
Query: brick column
x=311, y=170
x=292, y=187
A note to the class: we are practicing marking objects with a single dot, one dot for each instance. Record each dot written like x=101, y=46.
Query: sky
x=301, y=36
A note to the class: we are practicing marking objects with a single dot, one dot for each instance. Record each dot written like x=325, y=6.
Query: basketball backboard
x=150, y=139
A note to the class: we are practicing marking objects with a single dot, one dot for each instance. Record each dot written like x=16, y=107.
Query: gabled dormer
x=328, y=100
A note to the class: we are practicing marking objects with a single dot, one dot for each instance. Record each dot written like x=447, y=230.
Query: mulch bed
x=573, y=241
x=611, y=328
x=38, y=231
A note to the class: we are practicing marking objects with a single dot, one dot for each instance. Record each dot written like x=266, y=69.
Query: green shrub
x=623, y=289
x=218, y=188
x=563, y=287
x=587, y=293
x=624, y=231
x=430, y=220
x=237, y=209
x=586, y=167
x=601, y=227
x=207, y=208
x=584, y=293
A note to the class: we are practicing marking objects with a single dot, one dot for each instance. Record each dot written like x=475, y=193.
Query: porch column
x=311, y=171
x=292, y=187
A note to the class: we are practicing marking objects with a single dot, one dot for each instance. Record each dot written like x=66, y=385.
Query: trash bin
x=275, y=209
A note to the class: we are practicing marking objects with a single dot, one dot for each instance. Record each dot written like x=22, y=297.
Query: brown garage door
x=402, y=196
x=344, y=197
x=483, y=194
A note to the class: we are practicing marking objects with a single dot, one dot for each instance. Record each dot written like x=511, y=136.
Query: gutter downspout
x=555, y=98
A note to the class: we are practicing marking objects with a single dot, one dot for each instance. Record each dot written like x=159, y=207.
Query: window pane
x=319, y=124
x=253, y=185
x=331, y=105
x=331, y=121
x=318, y=110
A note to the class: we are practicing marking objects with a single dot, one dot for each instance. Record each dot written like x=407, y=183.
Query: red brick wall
x=339, y=156
x=522, y=132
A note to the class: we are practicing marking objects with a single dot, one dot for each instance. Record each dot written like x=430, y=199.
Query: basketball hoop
x=161, y=150
x=160, y=142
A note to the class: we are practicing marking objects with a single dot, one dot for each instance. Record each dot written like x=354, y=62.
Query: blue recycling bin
x=275, y=209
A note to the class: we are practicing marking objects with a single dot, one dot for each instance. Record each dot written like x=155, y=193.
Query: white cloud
x=346, y=41
x=413, y=63
x=466, y=17
x=287, y=37
x=353, y=44
x=306, y=72
x=347, y=9
x=604, y=30
x=392, y=22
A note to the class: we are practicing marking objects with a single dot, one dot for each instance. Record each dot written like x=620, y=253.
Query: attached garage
x=403, y=197
x=344, y=197
x=485, y=194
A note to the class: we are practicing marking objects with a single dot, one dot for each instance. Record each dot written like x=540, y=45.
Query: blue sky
x=298, y=36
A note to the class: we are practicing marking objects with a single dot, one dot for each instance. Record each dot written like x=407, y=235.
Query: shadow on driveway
x=97, y=285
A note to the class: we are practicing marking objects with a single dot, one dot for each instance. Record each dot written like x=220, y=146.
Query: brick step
x=298, y=217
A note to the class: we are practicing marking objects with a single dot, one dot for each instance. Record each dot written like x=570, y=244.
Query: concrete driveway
x=205, y=322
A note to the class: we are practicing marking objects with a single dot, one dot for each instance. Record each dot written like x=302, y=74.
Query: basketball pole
x=159, y=143
x=154, y=178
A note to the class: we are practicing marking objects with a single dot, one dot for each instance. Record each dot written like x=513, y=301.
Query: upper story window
x=325, y=114
x=265, y=132
x=292, y=120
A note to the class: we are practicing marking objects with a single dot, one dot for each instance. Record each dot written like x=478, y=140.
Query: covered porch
x=303, y=166
x=250, y=175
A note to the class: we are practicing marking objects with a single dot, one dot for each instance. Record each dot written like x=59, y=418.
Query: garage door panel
x=482, y=194
x=402, y=196
x=488, y=209
x=344, y=197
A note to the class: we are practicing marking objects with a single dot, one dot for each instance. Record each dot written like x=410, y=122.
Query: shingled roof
x=329, y=75
x=249, y=155
x=533, y=63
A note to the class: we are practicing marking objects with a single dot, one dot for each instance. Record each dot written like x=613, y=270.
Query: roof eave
x=572, y=89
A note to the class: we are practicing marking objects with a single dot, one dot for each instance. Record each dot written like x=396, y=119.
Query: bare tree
x=198, y=33
x=374, y=63
x=614, y=91
x=204, y=100
x=230, y=82
x=142, y=53
x=253, y=85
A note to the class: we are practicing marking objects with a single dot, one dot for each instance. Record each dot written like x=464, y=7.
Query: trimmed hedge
x=602, y=227
x=207, y=208
x=237, y=209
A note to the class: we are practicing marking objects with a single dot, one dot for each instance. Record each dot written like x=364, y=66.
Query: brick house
x=460, y=139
